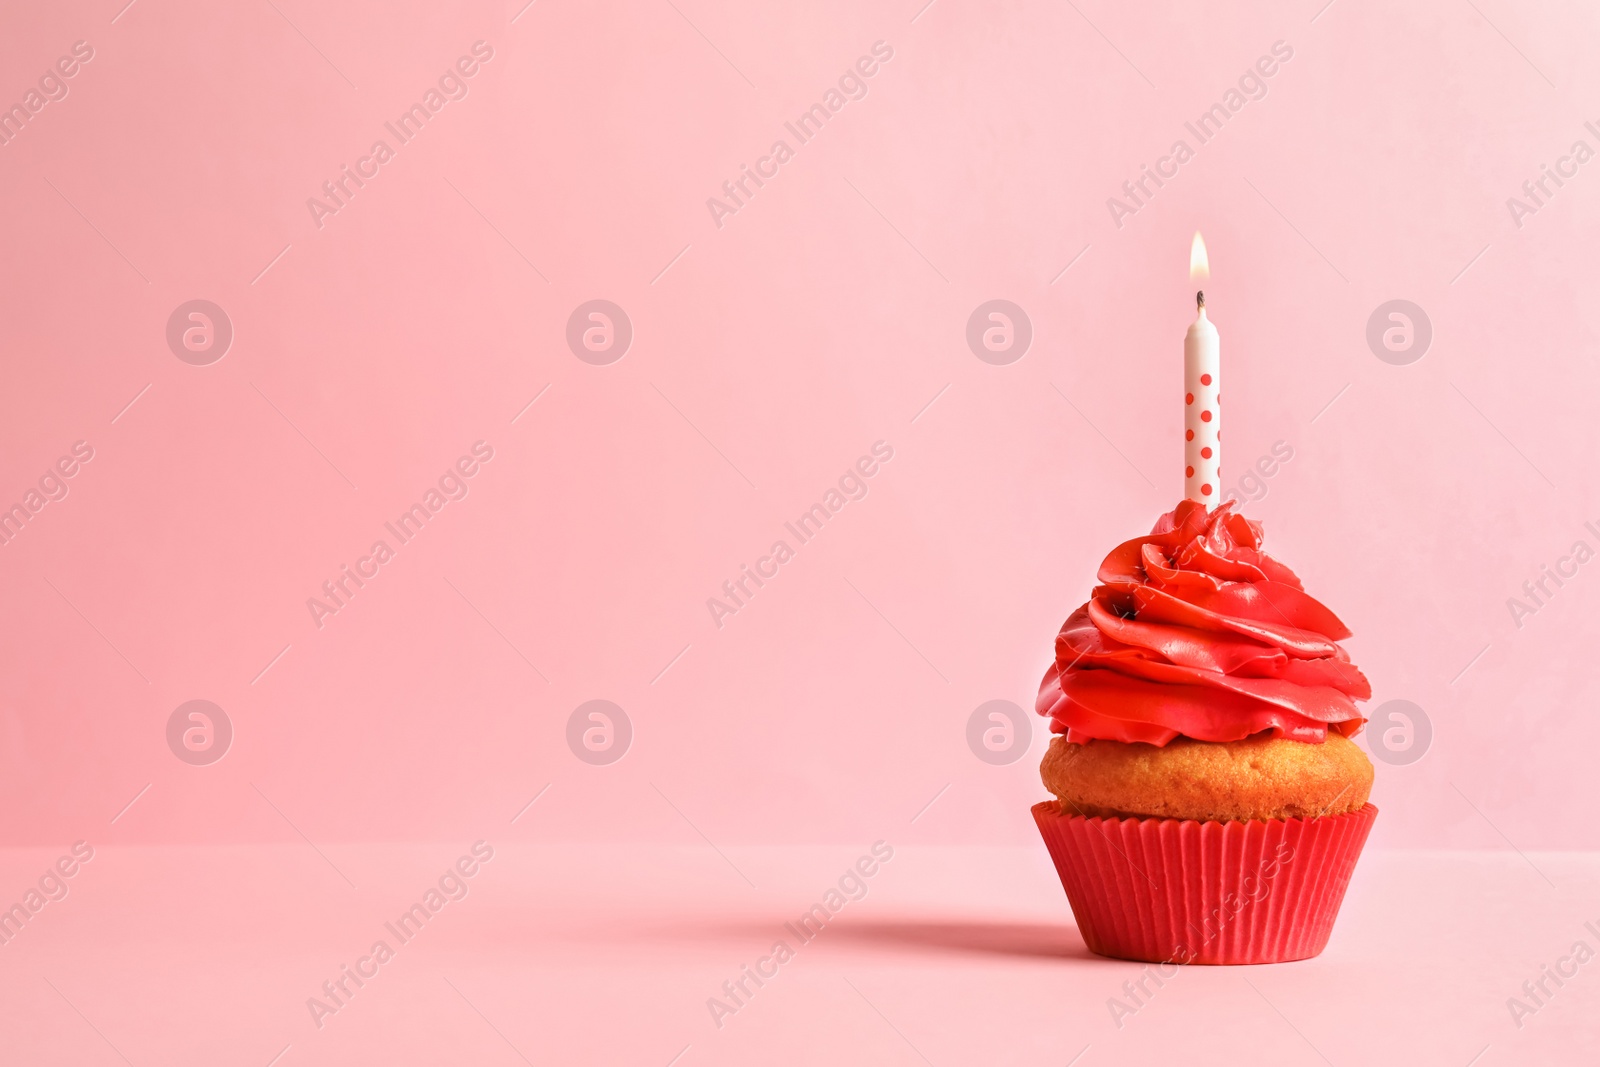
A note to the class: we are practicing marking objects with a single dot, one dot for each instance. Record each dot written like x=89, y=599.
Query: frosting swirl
x=1194, y=631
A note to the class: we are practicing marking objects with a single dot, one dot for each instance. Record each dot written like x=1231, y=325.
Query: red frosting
x=1197, y=632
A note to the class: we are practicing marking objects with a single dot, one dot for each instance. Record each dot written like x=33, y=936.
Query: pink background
x=767, y=355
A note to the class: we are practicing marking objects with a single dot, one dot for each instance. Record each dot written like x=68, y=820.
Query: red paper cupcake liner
x=1181, y=891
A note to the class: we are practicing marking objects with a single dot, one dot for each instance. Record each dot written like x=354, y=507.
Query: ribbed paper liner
x=1177, y=890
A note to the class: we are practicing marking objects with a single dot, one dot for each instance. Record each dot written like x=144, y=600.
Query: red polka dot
x=1219, y=435
x=1189, y=398
x=1188, y=472
x=1219, y=400
x=1205, y=453
x=1205, y=416
x=1205, y=379
x=1188, y=435
x=1205, y=490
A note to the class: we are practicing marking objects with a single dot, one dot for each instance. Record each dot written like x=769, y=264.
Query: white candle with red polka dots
x=1202, y=416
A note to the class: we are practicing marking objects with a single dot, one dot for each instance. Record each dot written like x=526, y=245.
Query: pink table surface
x=587, y=954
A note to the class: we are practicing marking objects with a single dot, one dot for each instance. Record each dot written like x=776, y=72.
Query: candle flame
x=1199, y=263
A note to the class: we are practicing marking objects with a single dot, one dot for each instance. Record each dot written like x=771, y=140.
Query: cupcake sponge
x=1257, y=778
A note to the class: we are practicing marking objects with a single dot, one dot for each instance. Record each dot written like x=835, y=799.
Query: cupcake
x=1210, y=803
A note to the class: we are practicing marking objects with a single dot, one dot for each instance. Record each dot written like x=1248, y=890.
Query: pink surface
x=581, y=954
x=610, y=398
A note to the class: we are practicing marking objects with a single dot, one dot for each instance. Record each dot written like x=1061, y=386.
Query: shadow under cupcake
x=1210, y=803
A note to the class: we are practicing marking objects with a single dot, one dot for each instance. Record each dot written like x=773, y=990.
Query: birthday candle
x=1202, y=384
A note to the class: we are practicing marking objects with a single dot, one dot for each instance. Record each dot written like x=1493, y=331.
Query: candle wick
x=1200, y=299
